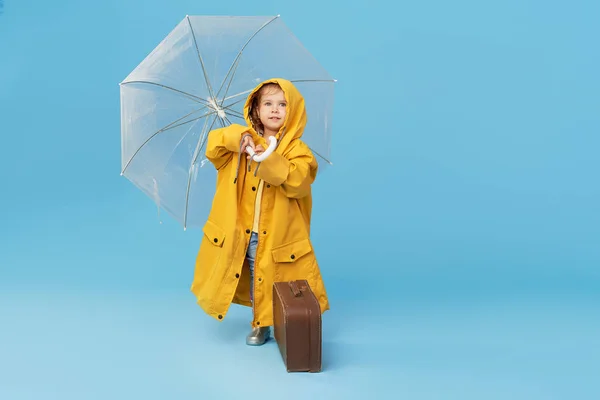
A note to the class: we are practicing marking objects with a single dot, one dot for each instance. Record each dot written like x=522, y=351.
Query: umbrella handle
x=268, y=151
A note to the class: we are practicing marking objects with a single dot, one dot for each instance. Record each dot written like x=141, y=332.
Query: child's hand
x=247, y=141
x=258, y=150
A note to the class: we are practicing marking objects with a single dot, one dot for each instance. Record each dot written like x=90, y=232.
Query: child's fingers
x=258, y=150
x=247, y=139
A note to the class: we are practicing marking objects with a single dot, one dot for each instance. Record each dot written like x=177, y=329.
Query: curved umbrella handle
x=268, y=151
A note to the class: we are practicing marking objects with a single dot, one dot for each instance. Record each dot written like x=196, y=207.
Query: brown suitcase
x=297, y=325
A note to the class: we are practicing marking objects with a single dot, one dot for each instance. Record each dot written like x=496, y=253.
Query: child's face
x=272, y=110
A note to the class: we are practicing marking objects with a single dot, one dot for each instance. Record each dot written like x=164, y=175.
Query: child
x=258, y=230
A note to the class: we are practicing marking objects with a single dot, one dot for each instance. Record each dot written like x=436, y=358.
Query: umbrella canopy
x=198, y=79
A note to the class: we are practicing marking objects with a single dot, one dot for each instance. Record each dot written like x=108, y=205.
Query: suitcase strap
x=296, y=290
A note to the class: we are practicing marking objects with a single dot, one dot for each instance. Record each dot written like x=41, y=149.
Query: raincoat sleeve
x=294, y=173
x=222, y=143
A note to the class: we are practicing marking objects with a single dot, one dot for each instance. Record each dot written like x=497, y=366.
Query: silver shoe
x=258, y=336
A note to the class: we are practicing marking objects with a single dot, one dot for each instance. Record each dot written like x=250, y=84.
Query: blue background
x=458, y=232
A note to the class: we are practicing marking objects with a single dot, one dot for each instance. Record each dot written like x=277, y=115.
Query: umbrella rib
x=326, y=160
x=228, y=110
x=210, y=90
x=168, y=126
x=237, y=116
x=228, y=107
x=189, y=95
x=162, y=130
x=233, y=112
x=201, y=144
x=186, y=122
x=237, y=95
x=313, y=80
x=237, y=63
x=227, y=119
x=240, y=53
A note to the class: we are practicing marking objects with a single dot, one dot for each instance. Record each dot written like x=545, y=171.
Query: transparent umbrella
x=197, y=79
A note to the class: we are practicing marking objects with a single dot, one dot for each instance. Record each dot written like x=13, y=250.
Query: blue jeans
x=250, y=256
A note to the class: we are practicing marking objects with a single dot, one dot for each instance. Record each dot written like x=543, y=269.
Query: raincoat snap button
x=268, y=186
x=257, y=323
x=292, y=256
x=260, y=279
x=216, y=240
x=220, y=316
x=253, y=189
x=247, y=230
x=237, y=275
x=264, y=232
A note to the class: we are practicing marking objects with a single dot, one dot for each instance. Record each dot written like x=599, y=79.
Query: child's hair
x=253, y=112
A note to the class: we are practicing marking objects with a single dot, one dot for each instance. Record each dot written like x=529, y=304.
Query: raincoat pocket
x=210, y=253
x=214, y=234
x=291, y=252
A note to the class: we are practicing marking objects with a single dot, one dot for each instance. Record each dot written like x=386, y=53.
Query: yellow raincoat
x=284, y=250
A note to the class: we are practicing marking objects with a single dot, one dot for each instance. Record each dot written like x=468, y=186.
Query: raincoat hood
x=295, y=118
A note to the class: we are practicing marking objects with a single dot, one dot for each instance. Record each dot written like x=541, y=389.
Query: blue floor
x=98, y=345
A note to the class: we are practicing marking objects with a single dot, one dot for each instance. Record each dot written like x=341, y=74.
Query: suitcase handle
x=295, y=289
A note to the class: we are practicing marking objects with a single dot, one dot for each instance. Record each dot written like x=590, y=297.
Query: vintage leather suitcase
x=297, y=326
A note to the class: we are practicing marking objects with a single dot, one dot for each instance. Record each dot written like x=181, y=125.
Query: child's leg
x=257, y=336
x=250, y=256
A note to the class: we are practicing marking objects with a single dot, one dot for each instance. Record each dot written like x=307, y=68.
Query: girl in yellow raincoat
x=258, y=230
